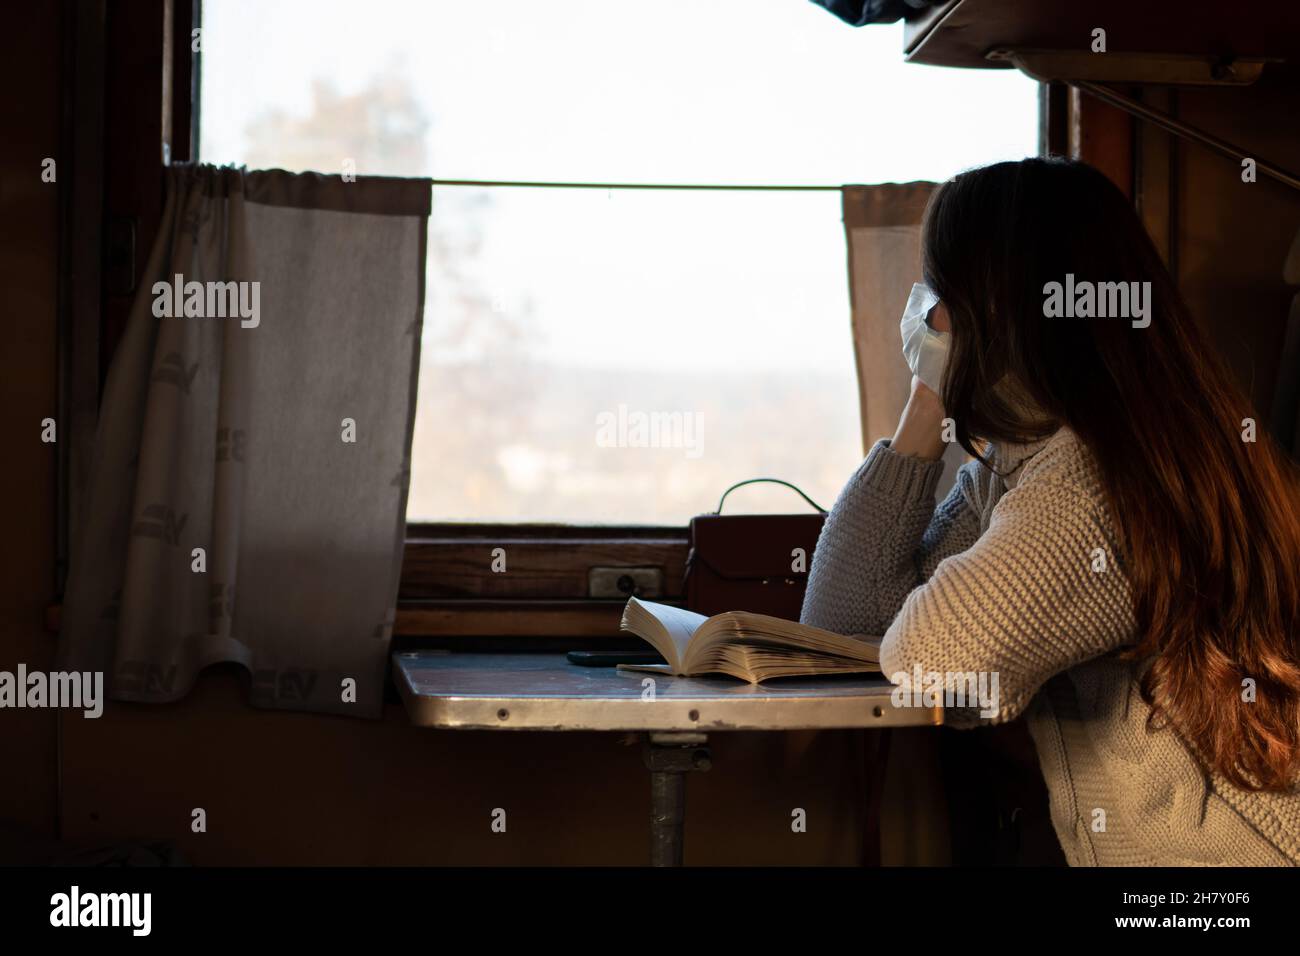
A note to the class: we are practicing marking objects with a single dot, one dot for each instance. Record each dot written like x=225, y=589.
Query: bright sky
x=698, y=91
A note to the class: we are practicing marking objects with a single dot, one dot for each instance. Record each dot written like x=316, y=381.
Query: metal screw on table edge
x=694, y=715
x=877, y=712
x=503, y=714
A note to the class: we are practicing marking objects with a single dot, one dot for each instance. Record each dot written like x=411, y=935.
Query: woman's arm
x=884, y=536
x=920, y=427
x=1039, y=592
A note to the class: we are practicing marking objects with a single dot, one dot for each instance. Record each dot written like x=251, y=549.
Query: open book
x=753, y=647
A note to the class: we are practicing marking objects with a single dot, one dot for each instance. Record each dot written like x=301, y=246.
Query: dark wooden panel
x=536, y=567
x=81, y=252
x=1054, y=119
x=137, y=65
x=181, y=81
x=973, y=27
x=1102, y=136
x=33, y=81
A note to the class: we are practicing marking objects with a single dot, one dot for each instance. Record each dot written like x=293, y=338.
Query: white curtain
x=248, y=487
x=883, y=228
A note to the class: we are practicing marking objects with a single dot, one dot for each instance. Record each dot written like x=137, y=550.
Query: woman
x=1124, y=552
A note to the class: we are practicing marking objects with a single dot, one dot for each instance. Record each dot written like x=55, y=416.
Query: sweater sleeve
x=882, y=538
x=1039, y=592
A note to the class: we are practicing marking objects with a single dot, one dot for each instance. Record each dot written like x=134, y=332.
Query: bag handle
x=777, y=481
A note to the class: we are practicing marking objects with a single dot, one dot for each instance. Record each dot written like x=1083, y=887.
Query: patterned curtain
x=248, y=484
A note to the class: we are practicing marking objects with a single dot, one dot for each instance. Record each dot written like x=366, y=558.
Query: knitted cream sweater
x=1006, y=576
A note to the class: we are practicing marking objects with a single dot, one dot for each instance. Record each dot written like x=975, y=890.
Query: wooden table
x=674, y=714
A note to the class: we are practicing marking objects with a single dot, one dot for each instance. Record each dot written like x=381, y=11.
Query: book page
x=744, y=627
x=677, y=625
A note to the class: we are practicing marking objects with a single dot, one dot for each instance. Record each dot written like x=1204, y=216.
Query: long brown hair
x=1209, y=523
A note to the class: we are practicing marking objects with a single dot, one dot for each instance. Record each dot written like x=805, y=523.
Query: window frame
x=448, y=589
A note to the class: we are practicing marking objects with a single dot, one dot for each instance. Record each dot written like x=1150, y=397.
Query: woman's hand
x=920, y=427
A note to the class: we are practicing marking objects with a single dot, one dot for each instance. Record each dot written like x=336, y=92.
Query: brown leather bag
x=747, y=562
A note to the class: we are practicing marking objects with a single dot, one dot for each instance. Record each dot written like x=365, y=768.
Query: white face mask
x=925, y=349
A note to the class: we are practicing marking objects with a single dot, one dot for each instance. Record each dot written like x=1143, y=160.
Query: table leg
x=669, y=757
